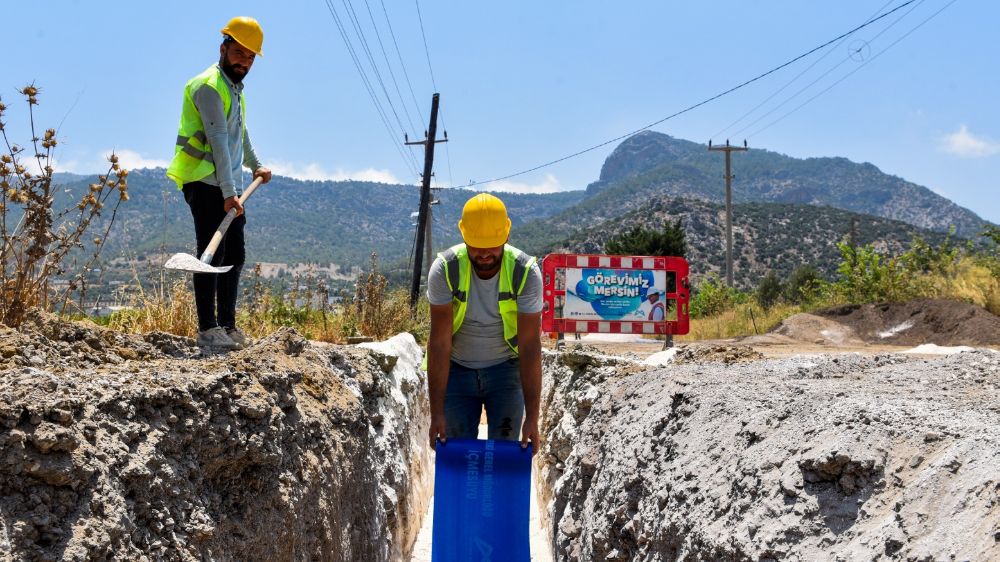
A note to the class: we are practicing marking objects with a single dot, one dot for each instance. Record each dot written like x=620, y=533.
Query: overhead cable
x=697, y=105
x=356, y=22
x=399, y=55
x=790, y=82
x=823, y=75
x=426, y=50
x=368, y=87
x=851, y=73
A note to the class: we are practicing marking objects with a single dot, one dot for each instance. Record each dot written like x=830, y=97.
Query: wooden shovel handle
x=209, y=252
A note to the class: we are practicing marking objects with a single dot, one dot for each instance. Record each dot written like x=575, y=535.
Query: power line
x=388, y=65
x=695, y=106
x=368, y=87
x=353, y=16
x=426, y=50
x=430, y=67
x=402, y=65
x=399, y=55
x=789, y=83
x=447, y=151
x=851, y=73
x=824, y=75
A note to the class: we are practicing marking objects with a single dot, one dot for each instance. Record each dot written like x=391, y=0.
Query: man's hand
x=529, y=432
x=437, y=430
x=263, y=172
x=233, y=203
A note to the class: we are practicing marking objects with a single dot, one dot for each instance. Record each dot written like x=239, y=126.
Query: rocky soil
x=727, y=457
x=115, y=447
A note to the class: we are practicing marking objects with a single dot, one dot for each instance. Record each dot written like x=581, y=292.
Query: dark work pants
x=207, y=209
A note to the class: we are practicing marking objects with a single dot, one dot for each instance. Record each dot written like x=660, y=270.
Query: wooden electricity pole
x=729, y=204
x=425, y=197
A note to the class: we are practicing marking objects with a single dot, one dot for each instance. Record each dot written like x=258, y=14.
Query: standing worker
x=485, y=345
x=212, y=147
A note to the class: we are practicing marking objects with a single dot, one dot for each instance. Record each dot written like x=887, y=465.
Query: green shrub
x=712, y=296
x=769, y=291
x=670, y=241
x=803, y=285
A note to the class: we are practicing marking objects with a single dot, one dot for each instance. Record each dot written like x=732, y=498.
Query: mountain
x=788, y=212
x=293, y=221
x=654, y=163
x=767, y=237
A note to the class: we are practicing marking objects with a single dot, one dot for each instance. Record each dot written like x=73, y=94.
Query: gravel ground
x=826, y=456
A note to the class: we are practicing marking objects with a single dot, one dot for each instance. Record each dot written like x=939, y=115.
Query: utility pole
x=729, y=204
x=425, y=196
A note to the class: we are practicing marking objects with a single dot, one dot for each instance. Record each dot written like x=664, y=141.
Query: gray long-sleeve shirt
x=231, y=146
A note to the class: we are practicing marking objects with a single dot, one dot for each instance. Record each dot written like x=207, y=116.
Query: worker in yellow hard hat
x=211, y=149
x=485, y=343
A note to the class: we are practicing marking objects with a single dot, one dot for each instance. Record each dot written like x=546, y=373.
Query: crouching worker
x=485, y=345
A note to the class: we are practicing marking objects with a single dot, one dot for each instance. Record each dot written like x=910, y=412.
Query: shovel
x=187, y=262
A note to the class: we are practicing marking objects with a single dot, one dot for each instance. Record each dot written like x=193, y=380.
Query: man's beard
x=487, y=266
x=235, y=74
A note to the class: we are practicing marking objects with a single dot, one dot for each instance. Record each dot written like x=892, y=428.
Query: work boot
x=238, y=337
x=216, y=338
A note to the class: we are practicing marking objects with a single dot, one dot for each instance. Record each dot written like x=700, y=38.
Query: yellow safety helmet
x=484, y=223
x=247, y=32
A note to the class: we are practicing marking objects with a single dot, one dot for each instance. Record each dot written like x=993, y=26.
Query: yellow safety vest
x=193, y=154
x=513, y=276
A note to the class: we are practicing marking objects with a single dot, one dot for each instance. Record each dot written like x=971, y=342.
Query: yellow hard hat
x=484, y=223
x=247, y=32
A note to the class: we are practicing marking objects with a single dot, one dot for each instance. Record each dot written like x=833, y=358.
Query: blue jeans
x=498, y=388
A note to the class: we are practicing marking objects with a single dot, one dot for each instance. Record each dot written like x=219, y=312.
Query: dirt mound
x=816, y=329
x=938, y=321
x=727, y=354
x=46, y=341
x=113, y=448
x=825, y=457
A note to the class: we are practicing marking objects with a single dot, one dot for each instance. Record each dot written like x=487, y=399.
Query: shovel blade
x=187, y=262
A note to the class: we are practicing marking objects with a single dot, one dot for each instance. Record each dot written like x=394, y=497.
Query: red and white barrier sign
x=586, y=293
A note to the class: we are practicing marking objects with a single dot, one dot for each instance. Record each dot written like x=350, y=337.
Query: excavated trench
x=115, y=447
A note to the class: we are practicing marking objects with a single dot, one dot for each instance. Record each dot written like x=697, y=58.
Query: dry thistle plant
x=36, y=239
x=369, y=300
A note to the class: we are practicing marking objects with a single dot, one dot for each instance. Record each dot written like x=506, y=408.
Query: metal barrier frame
x=552, y=262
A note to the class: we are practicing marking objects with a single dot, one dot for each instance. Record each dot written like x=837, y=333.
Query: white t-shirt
x=479, y=342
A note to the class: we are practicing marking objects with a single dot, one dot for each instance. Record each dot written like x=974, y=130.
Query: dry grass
x=970, y=282
x=169, y=307
x=743, y=320
x=374, y=311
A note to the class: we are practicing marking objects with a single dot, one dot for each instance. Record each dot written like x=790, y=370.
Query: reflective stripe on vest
x=513, y=276
x=192, y=153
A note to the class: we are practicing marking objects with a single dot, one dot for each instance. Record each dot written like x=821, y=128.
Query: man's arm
x=213, y=117
x=529, y=346
x=251, y=161
x=438, y=364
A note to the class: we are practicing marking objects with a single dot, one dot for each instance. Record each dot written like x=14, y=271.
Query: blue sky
x=523, y=83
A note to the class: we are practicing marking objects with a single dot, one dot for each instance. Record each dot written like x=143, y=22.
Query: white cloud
x=99, y=164
x=549, y=185
x=132, y=160
x=316, y=172
x=964, y=143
